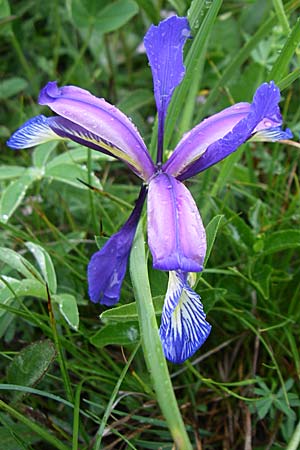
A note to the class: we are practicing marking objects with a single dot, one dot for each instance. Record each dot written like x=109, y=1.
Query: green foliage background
x=66, y=380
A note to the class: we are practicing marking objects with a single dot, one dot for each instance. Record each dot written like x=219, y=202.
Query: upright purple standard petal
x=100, y=122
x=183, y=326
x=164, y=46
x=218, y=136
x=107, y=267
x=176, y=235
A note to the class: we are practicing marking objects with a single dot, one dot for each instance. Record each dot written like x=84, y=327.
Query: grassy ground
x=68, y=380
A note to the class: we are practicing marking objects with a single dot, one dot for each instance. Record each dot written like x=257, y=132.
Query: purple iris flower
x=176, y=235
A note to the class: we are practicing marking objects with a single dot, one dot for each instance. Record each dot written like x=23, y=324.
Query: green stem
x=152, y=348
x=278, y=6
x=58, y=347
x=91, y=194
x=80, y=55
x=295, y=440
x=112, y=400
x=23, y=61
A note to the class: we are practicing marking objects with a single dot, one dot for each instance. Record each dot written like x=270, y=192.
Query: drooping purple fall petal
x=164, y=46
x=176, y=235
x=218, y=136
x=33, y=132
x=107, y=267
x=102, y=120
x=183, y=326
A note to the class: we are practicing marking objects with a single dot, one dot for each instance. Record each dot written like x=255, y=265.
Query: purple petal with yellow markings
x=103, y=120
x=220, y=135
x=176, y=235
x=183, y=326
x=164, y=46
x=107, y=267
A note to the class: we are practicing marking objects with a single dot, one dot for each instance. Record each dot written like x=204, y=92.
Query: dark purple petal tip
x=107, y=267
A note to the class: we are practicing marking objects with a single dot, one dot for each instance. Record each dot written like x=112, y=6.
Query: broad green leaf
x=68, y=308
x=211, y=234
x=263, y=406
x=31, y=364
x=11, y=87
x=8, y=172
x=69, y=174
x=281, y=240
x=42, y=153
x=77, y=155
x=122, y=333
x=13, y=195
x=45, y=264
x=18, y=262
x=21, y=288
x=103, y=16
x=128, y=313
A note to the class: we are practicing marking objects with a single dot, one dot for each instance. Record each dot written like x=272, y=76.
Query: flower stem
x=295, y=440
x=152, y=348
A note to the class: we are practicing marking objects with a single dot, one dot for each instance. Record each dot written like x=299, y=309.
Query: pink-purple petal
x=176, y=235
x=103, y=120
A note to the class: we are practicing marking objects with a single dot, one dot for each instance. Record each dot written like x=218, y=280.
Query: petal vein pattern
x=183, y=326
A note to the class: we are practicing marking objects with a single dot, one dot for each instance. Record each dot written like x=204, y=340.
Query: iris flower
x=176, y=235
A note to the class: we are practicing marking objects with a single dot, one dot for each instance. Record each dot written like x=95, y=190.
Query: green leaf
x=103, y=16
x=210, y=297
x=280, y=66
x=42, y=153
x=11, y=435
x=211, y=234
x=68, y=308
x=5, y=18
x=8, y=172
x=69, y=174
x=263, y=406
x=261, y=277
x=135, y=100
x=128, y=313
x=21, y=288
x=122, y=333
x=31, y=364
x=77, y=155
x=281, y=240
x=11, y=87
x=45, y=264
x=18, y=262
x=13, y=195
